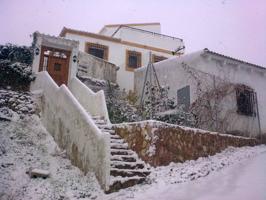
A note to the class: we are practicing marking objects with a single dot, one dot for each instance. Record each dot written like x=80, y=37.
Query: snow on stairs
x=126, y=168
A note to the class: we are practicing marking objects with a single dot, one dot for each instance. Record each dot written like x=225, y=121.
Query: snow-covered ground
x=236, y=173
x=25, y=144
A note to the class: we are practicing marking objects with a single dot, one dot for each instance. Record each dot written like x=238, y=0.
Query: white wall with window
x=250, y=77
x=117, y=53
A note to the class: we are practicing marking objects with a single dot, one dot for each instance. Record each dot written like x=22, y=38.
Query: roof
x=85, y=33
x=134, y=24
x=145, y=31
x=206, y=50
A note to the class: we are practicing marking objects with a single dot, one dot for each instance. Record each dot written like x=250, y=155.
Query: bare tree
x=215, y=104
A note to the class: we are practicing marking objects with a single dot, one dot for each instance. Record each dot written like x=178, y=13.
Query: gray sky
x=235, y=28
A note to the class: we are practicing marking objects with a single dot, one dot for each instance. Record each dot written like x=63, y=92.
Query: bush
x=16, y=76
x=16, y=53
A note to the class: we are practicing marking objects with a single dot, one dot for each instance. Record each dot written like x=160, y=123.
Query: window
x=133, y=60
x=57, y=67
x=157, y=58
x=98, y=50
x=245, y=98
x=183, y=97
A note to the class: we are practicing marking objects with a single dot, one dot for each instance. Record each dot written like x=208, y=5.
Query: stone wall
x=159, y=143
x=96, y=68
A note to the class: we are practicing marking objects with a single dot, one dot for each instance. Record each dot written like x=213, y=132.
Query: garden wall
x=159, y=143
x=73, y=129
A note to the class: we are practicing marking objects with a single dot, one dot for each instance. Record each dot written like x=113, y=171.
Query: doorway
x=56, y=63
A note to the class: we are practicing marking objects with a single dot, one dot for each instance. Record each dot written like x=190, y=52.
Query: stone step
x=104, y=126
x=127, y=165
x=115, y=137
x=117, y=141
x=97, y=117
x=100, y=122
x=110, y=131
x=121, y=152
x=120, y=183
x=129, y=173
x=125, y=158
x=119, y=146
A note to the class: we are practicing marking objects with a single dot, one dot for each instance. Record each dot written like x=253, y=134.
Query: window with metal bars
x=97, y=50
x=133, y=60
x=245, y=98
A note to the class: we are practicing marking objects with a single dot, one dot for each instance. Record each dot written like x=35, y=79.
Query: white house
x=244, y=108
x=128, y=46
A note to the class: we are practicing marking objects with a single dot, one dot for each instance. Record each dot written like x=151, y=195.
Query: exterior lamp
x=37, y=51
x=74, y=58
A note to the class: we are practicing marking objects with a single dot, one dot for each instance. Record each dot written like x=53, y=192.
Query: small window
x=157, y=58
x=245, y=100
x=57, y=67
x=97, y=50
x=133, y=60
x=183, y=97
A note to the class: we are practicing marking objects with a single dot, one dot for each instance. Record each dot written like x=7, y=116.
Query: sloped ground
x=24, y=143
x=178, y=180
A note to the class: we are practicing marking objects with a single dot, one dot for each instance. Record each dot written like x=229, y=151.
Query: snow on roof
x=192, y=57
x=206, y=50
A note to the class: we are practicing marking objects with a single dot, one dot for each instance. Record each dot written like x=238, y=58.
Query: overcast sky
x=236, y=28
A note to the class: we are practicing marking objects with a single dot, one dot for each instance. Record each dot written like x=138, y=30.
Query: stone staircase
x=126, y=168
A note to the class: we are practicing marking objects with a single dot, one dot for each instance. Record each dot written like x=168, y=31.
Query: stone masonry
x=159, y=143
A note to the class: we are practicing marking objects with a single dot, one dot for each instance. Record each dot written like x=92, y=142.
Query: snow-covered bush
x=16, y=53
x=16, y=76
x=20, y=103
x=119, y=107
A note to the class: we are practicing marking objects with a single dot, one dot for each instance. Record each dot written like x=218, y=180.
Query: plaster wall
x=73, y=129
x=170, y=72
x=149, y=38
x=58, y=43
x=117, y=56
x=93, y=103
x=97, y=68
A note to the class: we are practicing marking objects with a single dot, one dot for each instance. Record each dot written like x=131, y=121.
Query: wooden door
x=56, y=63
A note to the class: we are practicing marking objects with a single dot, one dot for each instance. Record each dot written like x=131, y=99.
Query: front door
x=56, y=63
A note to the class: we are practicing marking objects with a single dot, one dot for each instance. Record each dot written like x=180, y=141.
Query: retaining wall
x=159, y=143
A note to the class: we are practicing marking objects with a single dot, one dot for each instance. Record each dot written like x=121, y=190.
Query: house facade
x=128, y=46
x=198, y=75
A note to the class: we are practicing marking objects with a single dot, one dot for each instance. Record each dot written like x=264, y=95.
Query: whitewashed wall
x=149, y=39
x=59, y=43
x=94, y=67
x=172, y=74
x=117, y=55
x=73, y=129
x=93, y=103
